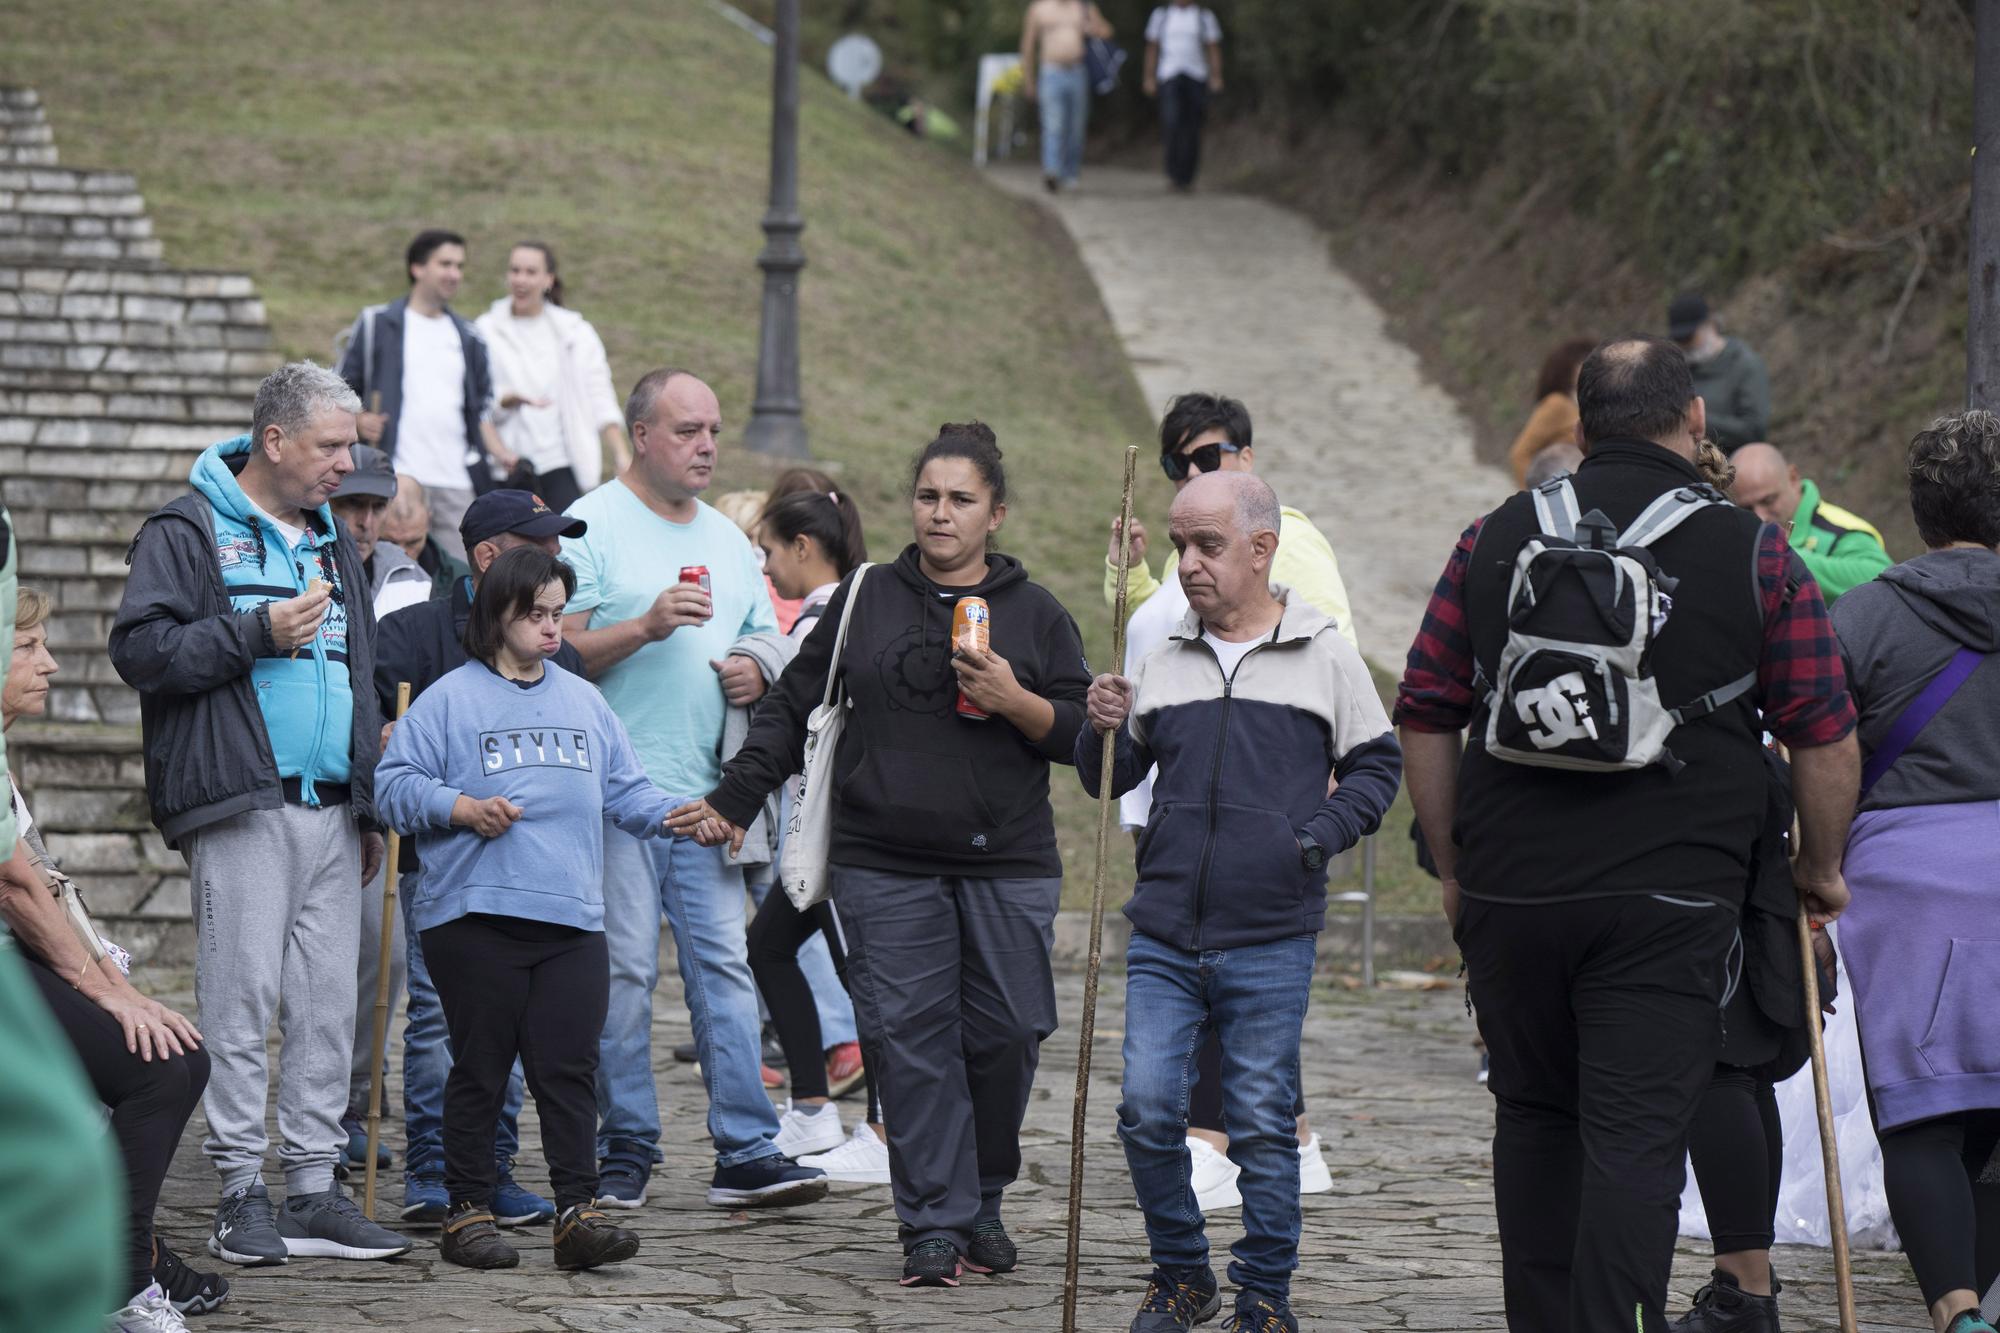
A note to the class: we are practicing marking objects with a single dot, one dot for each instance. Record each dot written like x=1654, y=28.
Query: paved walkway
x=1405, y=1241
x=1235, y=295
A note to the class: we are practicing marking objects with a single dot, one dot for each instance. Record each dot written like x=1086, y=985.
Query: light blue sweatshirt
x=556, y=750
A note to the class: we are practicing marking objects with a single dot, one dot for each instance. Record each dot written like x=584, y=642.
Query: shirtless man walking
x=1053, y=72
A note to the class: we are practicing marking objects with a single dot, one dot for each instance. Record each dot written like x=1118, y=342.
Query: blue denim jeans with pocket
x=1255, y=996
x=1063, y=93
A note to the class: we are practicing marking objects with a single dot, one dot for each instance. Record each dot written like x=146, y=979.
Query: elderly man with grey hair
x=1274, y=755
x=247, y=630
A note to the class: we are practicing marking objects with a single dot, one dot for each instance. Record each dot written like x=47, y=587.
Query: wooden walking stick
x=1110, y=740
x=376, y=1053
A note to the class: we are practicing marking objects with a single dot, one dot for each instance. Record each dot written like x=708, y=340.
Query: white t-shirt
x=1230, y=654
x=430, y=432
x=1183, y=33
x=542, y=435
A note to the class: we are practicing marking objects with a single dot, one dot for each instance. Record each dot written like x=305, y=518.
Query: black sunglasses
x=1205, y=459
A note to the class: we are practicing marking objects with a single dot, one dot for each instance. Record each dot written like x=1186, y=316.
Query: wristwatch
x=1311, y=855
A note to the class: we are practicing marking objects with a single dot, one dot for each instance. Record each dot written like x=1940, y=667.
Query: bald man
x=1841, y=549
x=1274, y=755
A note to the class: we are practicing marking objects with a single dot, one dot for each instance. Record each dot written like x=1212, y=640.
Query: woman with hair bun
x=945, y=871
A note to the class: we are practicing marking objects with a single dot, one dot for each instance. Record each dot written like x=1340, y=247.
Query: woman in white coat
x=552, y=382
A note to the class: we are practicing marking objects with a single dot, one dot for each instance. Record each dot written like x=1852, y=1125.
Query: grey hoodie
x=1895, y=634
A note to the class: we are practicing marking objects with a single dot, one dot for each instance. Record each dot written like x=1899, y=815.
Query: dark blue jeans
x=1255, y=997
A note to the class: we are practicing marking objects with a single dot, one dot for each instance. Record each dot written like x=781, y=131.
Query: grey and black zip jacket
x=1242, y=782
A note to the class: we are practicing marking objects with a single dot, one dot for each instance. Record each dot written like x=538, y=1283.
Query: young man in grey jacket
x=247, y=630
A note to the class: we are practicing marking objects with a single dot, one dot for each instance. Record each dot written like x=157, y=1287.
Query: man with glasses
x=247, y=629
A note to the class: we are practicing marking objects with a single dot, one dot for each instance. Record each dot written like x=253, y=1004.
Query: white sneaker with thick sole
x=804, y=1130
x=1314, y=1176
x=1214, y=1176
x=862, y=1160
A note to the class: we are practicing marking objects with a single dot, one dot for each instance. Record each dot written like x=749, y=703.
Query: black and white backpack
x=1575, y=688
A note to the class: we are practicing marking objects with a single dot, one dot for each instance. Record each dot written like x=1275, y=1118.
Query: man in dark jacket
x=247, y=630
x=1274, y=754
x=1728, y=377
x=420, y=644
x=1597, y=910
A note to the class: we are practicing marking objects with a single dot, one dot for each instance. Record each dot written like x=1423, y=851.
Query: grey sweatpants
x=277, y=918
x=368, y=976
x=952, y=984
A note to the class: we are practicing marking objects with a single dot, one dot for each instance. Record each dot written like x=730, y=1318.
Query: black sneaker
x=472, y=1239
x=992, y=1249
x=1724, y=1307
x=586, y=1238
x=934, y=1263
x=775, y=1181
x=330, y=1225
x=246, y=1229
x=1260, y=1315
x=187, y=1291
x=1173, y=1304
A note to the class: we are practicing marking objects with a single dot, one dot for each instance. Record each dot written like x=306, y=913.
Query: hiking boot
x=1260, y=1314
x=187, y=1291
x=803, y=1130
x=149, y=1312
x=621, y=1183
x=329, y=1225
x=246, y=1230
x=425, y=1201
x=1172, y=1304
x=472, y=1240
x=586, y=1238
x=775, y=1181
x=843, y=1069
x=992, y=1249
x=934, y=1263
x=862, y=1159
x=514, y=1205
x=1724, y=1307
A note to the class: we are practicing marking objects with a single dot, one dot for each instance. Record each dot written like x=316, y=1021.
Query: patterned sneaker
x=149, y=1312
x=514, y=1205
x=934, y=1263
x=862, y=1160
x=425, y=1201
x=246, y=1230
x=803, y=1130
x=187, y=1291
x=1174, y=1304
x=992, y=1249
x=1968, y=1321
x=1260, y=1315
x=329, y=1225
x=471, y=1240
x=586, y=1238
x=621, y=1183
x=774, y=1181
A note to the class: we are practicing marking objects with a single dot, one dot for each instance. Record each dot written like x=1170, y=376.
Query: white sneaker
x=803, y=1130
x=1314, y=1177
x=149, y=1312
x=862, y=1160
x=1214, y=1176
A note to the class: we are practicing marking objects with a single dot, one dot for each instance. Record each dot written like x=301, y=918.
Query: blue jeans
x=1063, y=92
x=836, y=1011
x=699, y=893
x=427, y=1064
x=1255, y=997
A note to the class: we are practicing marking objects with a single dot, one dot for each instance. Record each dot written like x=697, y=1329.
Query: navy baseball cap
x=520, y=512
x=373, y=476
x=1687, y=313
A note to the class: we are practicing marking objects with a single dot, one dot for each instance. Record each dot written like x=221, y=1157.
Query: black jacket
x=180, y=644
x=918, y=789
x=372, y=365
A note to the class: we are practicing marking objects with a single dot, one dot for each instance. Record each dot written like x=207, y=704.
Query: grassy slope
x=306, y=143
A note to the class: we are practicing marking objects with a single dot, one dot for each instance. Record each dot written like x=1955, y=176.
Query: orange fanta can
x=971, y=632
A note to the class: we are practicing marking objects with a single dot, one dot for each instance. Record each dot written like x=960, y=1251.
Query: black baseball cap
x=373, y=476
x=1687, y=313
x=521, y=512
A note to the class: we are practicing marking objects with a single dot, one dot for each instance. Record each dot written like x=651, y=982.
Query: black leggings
x=529, y=989
x=1738, y=1145
x=1946, y=1212
x=150, y=1104
x=777, y=933
x=1205, y=1098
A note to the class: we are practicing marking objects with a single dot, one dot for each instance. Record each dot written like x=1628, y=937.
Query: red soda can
x=971, y=632
x=698, y=575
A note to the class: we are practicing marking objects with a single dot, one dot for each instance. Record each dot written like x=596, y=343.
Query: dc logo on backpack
x=1575, y=686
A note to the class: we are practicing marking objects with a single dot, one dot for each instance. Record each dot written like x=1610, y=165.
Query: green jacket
x=1842, y=550
x=1737, y=391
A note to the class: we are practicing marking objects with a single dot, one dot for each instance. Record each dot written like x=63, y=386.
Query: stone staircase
x=115, y=371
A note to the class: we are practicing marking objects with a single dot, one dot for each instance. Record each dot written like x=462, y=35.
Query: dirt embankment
x=1863, y=334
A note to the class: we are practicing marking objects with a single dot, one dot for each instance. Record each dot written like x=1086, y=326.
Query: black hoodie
x=919, y=790
x=1899, y=630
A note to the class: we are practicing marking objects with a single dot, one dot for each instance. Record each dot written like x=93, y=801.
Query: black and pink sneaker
x=934, y=1263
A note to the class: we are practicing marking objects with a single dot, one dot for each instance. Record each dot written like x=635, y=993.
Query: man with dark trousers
x=1597, y=911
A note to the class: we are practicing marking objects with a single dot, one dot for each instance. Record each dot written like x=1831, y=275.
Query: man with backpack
x=1183, y=66
x=1055, y=72
x=1616, y=642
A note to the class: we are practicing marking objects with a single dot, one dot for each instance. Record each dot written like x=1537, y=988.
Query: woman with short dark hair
x=505, y=771
x=1923, y=860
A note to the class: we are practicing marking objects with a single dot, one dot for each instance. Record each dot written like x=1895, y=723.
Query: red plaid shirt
x=1801, y=685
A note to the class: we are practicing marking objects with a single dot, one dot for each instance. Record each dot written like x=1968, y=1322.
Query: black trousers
x=1603, y=1018
x=1205, y=1097
x=1183, y=108
x=533, y=990
x=150, y=1103
x=777, y=933
x=1737, y=1142
x=1947, y=1214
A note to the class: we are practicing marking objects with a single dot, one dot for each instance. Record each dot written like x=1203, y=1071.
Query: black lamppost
x=777, y=423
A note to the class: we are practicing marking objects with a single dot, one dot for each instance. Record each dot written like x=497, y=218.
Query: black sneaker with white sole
x=331, y=1226
x=775, y=1181
x=246, y=1229
x=188, y=1291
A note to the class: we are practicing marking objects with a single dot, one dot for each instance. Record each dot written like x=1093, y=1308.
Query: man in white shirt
x=1183, y=66
x=426, y=382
